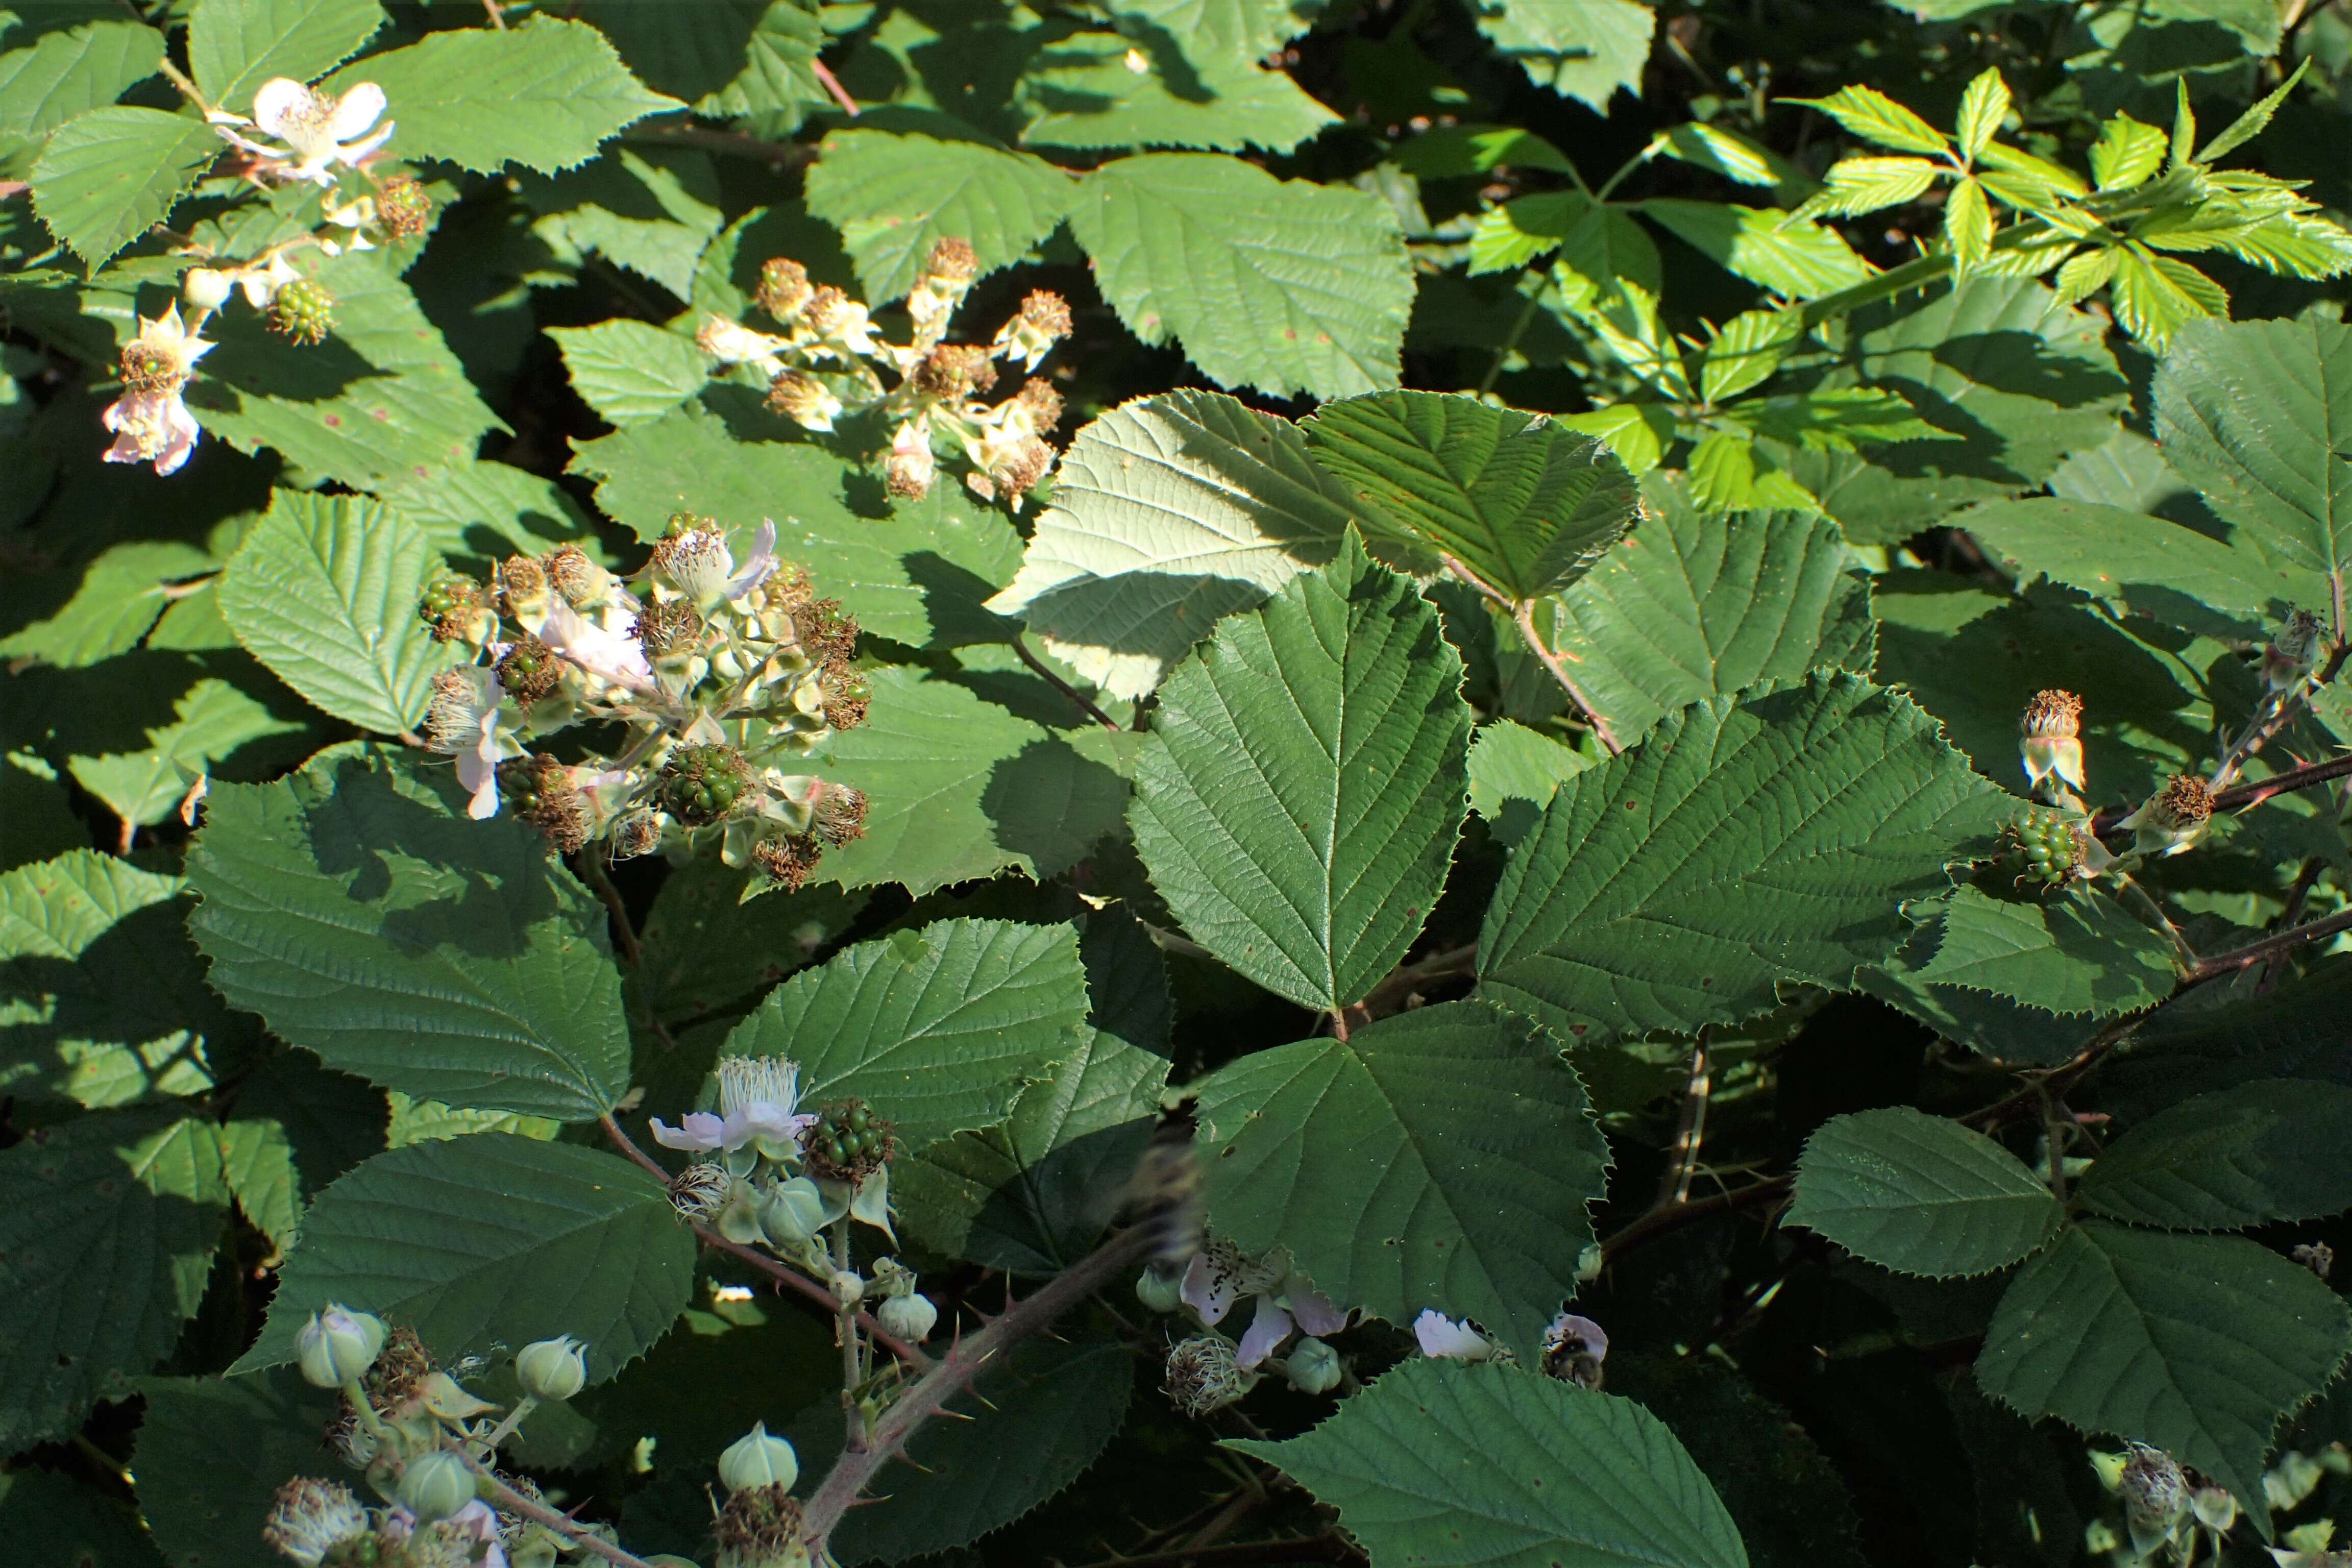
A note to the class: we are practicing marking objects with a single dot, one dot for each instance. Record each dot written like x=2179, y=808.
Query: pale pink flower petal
x=1268, y=1328
x=360, y=108
x=701, y=1133
x=1314, y=1310
x=1440, y=1335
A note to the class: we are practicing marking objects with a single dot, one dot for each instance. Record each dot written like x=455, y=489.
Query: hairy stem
x=1524, y=617
x=844, y=1328
x=2275, y=945
x=590, y=868
x=855, y=1471
x=774, y=1269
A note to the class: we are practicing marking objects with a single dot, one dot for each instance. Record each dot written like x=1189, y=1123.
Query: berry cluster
x=303, y=312
x=2050, y=846
x=848, y=1142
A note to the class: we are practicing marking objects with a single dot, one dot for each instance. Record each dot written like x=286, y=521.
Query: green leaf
x=491, y=1241
x=296, y=1126
x=2258, y=416
x=1791, y=256
x=545, y=95
x=2126, y=154
x=915, y=572
x=2196, y=1344
x=1872, y=115
x=51, y=1518
x=2081, y=955
x=631, y=372
x=1748, y=352
x=102, y=1000
x=937, y=1028
x=957, y=788
x=1590, y=50
x=1483, y=1467
x=122, y=592
x=70, y=71
x=1525, y=504
x=1086, y=93
x=655, y=215
x=1747, y=843
x=2145, y=565
x=895, y=197
x=490, y=510
x=213, y=1453
x=383, y=400
x=323, y=591
x=1599, y=242
x=108, y=176
x=1442, y=1158
x=1855, y=186
x=354, y=907
x=1297, y=800
x=1919, y=1195
x=107, y=1225
x=1167, y=513
x=2261, y=1151
x=235, y=46
x=1283, y=285
x=213, y=719
x=1696, y=603
x=1514, y=774
x=1983, y=106
x=710, y=946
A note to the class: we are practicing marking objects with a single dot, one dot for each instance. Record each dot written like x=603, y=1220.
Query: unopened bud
x=1313, y=1367
x=552, y=1369
x=792, y=1212
x=434, y=1485
x=206, y=289
x=757, y=1459
x=338, y=1345
x=912, y=1318
x=1160, y=1290
x=847, y=1287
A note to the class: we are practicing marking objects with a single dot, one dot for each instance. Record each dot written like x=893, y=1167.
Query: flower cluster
x=1208, y=1371
x=723, y=674
x=1573, y=1348
x=827, y=359
x=406, y=1424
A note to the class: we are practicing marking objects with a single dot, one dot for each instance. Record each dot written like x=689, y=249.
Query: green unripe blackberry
x=701, y=783
x=448, y=592
x=2049, y=846
x=530, y=670
x=403, y=207
x=848, y=1142
x=303, y=312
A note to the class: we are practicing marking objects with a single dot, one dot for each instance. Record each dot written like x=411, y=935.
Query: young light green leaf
x=1968, y=224
x=107, y=1225
x=2184, y=124
x=1725, y=152
x=1874, y=117
x=1983, y=106
x=323, y=591
x=1440, y=1464
x=2156, y=296
x=2075, y=956
x=632, y=372
x=1514, y=774
x=1744, y=355
x=1442, y=1158
x=1525, y=505
x=2126, y=154
x=1167, y=513
x=108, y=176
x=2254, y=120
x=2270, y=1150
x=1855, y=186
x=1297, y=800
x=1590, y=50
x=235, y=46
x=2258, y=416
x=959, y=787
x=1788, y=254
x=545, y=94
x=2087, y=272
x=2022, y=179
x=1283, y=285
x=1747, y=843
x=354, y=907
x=1697, y=604
x=895, y=197
x=1919, y=1195
x=2196, y=1344
x=71, y=71
x=102, y=1000
x=1637, y=433
x=938, y=1029
x=490, y=1241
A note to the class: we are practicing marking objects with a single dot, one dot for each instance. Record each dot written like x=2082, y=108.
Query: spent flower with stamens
x=149, y=421
x=316, y=130
x=2155, y=1494
x=2172, y=819
x=404, y=207
x=1203, y=1375
x=2050, y=739
x=939, y=289
x=783, y=288
x=803, y=399
x=1042, y=321
x=312, y=1519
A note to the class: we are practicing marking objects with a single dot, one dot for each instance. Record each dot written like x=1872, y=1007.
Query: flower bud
x=2050, y=737
x=791, y=1212
x=2173, y=818
x=435, y=1485
x=1313, y=1367
x=310, y=1519
x=206, y=289
x=757, y=1459
x=339, y=1346
x=1159, y=1290
x=912, y=1318
x=552, y=1369
x=2215, y=1509
x=847, y=1287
